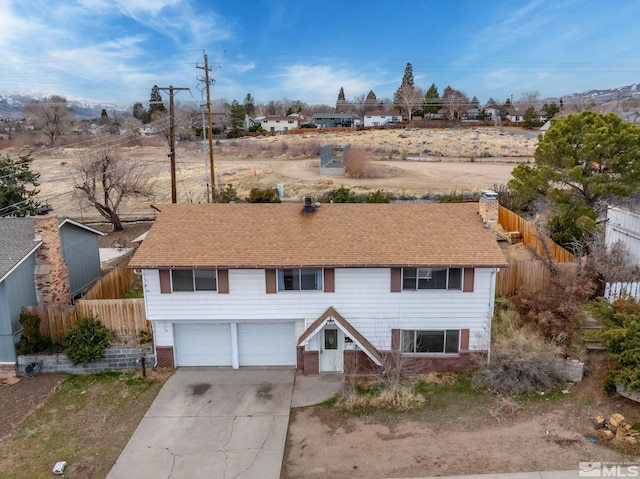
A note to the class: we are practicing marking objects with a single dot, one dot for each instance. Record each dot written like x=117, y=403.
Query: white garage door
x=202, y=344
x=266, y=344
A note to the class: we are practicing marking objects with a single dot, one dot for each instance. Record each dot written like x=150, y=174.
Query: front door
x=331, y=350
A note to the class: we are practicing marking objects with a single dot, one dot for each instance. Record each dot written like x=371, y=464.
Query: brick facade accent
x=165, y=357
x=7, y=370
x=311, y=362
x=357, y=362
x=52, y=275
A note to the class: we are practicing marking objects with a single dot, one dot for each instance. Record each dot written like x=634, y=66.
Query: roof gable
x=334, y=235
x=17, y=241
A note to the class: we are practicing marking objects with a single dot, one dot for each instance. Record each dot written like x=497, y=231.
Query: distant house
x=44, y=260
x=492, y=113
x=279, y=123
x=331, y=288
x=335, y=120
x=382, y=118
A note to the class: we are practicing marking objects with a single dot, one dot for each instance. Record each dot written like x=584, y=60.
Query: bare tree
x=454, y=103
x=410, y=98
x=52, y=117
x=105, y=179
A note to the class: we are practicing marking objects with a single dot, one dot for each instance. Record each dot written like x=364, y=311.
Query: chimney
x=308, y=207
x=488, y=208
x=51, y=275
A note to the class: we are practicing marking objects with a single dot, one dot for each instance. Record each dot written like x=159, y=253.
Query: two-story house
x=382, y=118
x=279, y=123
x=331, y=287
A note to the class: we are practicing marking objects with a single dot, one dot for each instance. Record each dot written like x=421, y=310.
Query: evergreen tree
x=475, y=103
x=550, y=110
x=582, y=161
x=155, y=103
x=237, y=115
x=17, y=187
x=432, y=103
x=530, y=118
x=140, y=113
x=407, y=78
x=370, y=102
x=341, y=101
x=492, y=102
x=249, y=105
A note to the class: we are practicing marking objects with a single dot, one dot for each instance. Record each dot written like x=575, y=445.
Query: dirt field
x=466, y=160
x=457, y=434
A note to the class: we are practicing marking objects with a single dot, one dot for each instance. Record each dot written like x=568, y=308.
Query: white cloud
x=318, y=84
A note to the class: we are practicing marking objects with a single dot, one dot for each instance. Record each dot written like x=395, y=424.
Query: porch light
x=330, y=322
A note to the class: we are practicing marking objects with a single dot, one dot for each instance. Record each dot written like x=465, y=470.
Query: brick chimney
x=52, y=275
x=488, y=206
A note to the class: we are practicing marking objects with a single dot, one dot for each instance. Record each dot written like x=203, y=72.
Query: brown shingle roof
x=280, y=235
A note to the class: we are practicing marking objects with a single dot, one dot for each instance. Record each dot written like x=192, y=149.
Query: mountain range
x=12, y=105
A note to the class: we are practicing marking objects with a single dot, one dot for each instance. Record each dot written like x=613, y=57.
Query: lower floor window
x=430, y=341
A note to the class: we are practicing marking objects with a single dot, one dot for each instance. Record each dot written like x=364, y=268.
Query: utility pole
x=212, y=180
x=172, y=141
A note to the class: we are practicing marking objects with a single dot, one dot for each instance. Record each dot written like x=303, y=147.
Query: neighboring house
x=44, y=260
x=335, y=287
x=279, y=123
x=335, y=120
x=492, y=113
x=623, y=225
x=382, y=118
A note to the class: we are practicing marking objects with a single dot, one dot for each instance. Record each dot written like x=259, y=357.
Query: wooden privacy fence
x=528, y=274
x=115, y=284
x=125, y=317
x=541, y=243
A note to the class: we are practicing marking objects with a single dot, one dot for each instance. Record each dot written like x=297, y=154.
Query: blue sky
x=114, y=51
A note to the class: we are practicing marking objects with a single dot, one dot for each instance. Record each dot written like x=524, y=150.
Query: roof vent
x=308, y=207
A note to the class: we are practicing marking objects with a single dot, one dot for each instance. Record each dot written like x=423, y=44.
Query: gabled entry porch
x=338, y=347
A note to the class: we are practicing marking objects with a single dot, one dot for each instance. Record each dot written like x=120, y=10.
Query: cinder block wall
x=115, y=359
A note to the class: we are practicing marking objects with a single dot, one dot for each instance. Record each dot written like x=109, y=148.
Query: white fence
x=613, y=291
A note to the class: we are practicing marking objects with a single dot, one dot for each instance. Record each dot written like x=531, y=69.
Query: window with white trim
x=193, y=279
x=430, y=341
x=300, y=279
x=431, y=278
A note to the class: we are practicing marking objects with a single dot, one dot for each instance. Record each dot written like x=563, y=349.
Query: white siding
x=624, y=225
x=362, y=296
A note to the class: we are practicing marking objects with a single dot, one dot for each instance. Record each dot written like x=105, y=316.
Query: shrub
x=267, y=195
x=520, y=364
x=621, y=336
x=377, y=196
x=227, y=194
x=357, y=164
x=87, y=341
x=522, y=360
x=32, y=340
x=340, y=195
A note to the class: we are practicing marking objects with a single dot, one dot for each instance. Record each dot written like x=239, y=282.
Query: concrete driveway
x=211, y=422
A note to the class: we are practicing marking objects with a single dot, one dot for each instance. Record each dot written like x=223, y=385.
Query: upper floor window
x=193, y=279
x=435, y=341
x=431, y=278
x=300, y=279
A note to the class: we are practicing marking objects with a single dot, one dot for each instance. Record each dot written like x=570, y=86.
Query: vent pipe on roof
x=308, y=207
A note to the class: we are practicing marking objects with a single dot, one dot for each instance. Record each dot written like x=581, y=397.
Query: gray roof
x=17, y=240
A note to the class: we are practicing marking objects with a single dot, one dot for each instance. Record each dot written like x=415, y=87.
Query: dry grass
x=358, y=164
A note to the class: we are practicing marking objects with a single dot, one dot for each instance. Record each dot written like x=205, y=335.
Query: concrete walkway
x=611, y=471
x=215, y=422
